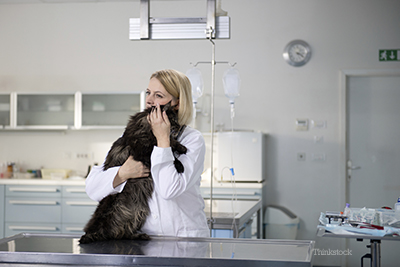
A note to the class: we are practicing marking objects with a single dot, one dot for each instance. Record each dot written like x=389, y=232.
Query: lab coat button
x=155, y=216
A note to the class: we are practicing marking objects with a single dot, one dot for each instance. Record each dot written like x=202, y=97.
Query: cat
x=122, y=215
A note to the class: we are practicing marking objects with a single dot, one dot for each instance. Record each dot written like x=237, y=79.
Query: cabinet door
x=77, y=208
x=73, y=228
x=14, y=228
x=109, y=110
x=36, y=191
x=47, y=111
x=29, y=209
x=4, y=110
x=2, y=211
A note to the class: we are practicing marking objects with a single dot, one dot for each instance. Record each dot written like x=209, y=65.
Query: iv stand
x=209, y=35
x=213, y=63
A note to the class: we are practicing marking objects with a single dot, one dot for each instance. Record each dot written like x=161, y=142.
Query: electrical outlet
x=318, y=124
x=82, y=155
x=319, y=157
x=318, y=139
x=301, y=156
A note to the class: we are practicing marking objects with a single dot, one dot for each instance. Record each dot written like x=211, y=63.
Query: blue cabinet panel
x=33, y=191
x=77, y=210
x=33, y=209
x=2, y=211
x=13, y=228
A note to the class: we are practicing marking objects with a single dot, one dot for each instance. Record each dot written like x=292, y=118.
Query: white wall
x=85, y=46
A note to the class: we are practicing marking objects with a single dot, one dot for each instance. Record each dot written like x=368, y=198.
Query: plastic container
x=55, y=174
x=382, y=217
x=280, y=223
x=397, y=205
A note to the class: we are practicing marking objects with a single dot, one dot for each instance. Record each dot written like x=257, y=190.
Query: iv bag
x=196, y=80
x=231, y=81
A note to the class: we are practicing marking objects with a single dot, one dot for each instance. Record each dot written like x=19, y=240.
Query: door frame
x=345, y=74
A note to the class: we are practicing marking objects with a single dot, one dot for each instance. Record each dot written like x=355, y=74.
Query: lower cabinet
x=77, y=208
x=44, y=209
x=2, y=210
x=32, y=208
x=13, y=228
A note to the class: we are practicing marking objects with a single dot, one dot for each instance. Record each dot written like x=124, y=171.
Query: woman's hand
x=130, y=169
x=160, y=125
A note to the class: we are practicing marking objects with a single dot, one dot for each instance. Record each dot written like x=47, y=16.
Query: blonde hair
x=178, y=85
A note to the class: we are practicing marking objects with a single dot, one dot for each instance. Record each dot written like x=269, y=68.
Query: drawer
x=74, y=192
x=77, y=210
x=33, y=210
x=73, y=228
x=33, y=191
x=28, y=227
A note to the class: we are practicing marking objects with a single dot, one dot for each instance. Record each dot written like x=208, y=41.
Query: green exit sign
x=389, y=55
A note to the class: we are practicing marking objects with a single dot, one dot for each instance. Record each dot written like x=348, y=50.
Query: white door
x=373, y=147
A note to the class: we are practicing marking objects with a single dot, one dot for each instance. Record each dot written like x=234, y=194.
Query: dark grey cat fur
x=122, y=215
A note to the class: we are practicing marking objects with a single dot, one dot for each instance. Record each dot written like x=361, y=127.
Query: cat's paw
x=144, y=237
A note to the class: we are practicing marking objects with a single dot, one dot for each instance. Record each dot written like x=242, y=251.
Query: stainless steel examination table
x=62, y=249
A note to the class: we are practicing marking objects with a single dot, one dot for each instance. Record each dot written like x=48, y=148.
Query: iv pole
x=142, y=29
x=209, y=35
x=213, y=63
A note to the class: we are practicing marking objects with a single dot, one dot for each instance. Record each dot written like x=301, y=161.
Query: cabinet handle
x=32, y=202
x=27, y=189
x=81, y=203
x=74, y=229
x=75, y=190
x=39, y=228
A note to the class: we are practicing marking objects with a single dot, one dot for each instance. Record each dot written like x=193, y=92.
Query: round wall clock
x=297, y=53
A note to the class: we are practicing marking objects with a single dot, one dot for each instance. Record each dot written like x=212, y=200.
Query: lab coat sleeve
x=99, y=183
x=168, y=182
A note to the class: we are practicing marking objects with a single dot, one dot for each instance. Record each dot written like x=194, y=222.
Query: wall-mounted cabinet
x=108, y=110
x=55, y=111
x=4, y=110
x=62, y=111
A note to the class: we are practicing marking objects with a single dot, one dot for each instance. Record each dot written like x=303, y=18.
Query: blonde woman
x=176, y=206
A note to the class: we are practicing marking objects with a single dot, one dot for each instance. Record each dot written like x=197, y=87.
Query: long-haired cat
x=122, y=215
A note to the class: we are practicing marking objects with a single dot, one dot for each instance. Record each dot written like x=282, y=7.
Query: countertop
x=227, y=213
x=39, y=181
x=40, y=249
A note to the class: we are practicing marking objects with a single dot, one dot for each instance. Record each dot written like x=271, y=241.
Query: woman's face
x=156, y=94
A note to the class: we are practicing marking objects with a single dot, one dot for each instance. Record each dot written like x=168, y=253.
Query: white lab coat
x=176, y=206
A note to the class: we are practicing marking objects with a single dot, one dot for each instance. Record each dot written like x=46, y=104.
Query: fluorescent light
x=178, y=30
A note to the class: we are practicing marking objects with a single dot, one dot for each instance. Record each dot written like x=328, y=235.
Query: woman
x=176, y=206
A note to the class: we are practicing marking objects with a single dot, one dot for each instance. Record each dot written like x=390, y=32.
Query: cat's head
x=171, y=111
x=167, y=107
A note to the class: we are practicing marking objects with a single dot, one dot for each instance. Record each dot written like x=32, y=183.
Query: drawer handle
x=74, y=229
x=72, y=190
x=39, y=228
x=27, y=189
x=81, y=203
x=32, y=202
